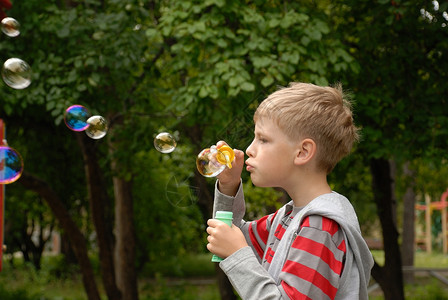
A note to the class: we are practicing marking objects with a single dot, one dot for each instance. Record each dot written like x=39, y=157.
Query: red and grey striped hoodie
x=313, y=252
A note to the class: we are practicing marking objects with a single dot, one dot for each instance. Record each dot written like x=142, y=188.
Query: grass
x=191, y=277
x=424, y=286
x=421, y=259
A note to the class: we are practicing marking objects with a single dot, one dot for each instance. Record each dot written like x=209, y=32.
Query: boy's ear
x=305, y=151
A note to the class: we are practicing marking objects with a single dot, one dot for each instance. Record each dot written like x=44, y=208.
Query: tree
x=92, y=54
x=398, y=91
x=82, y=68
x=48, y=158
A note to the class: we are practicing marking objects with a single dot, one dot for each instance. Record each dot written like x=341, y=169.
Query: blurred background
x=116, y=218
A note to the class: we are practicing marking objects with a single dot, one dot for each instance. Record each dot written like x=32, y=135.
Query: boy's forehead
x=264, y=124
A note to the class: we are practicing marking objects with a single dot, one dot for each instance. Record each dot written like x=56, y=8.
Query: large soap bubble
x=16, y=73
x=11, y=165
x=164, y=142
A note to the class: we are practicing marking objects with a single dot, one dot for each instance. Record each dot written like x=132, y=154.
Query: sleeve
x=315, y=261
x=256, y=232
x=311, y=271
x=248, y=277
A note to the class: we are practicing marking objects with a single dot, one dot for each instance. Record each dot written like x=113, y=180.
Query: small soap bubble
x=97, y=127
x=164, y=142
x=10, y=27
x=11, y=165
x=75, y=117
x=16, y=73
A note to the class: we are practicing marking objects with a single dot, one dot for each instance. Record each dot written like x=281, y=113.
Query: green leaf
x=236, y=80
x=290, y=57
x=203, y=92
x=305, y=40
x=63, y=32
x=78, y=63
x=273, y=23
x=221, y=43
x=267, y=81
x=314, y=34
x=261, y=62
x=247, y=86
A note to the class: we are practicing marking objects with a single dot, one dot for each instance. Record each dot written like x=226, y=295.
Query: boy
x=312, y=247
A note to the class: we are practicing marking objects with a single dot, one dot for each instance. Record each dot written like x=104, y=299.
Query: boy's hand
x=229, y=179
x=224, y=240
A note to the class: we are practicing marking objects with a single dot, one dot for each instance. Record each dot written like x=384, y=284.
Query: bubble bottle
x=212, y=161
x=226, y=217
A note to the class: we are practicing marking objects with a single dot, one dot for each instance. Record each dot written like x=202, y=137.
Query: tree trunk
x=98, y=200
x=205, y=201
x=126, y=277
x=407, y=246
x=125, y=239
x=69, y=226
x=67, y=249
x=389, y=276
x=225, y=287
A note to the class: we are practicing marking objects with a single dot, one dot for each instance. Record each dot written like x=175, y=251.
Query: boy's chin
x=259, y=183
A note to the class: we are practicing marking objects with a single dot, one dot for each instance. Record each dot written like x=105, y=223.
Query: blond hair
x=323, y=114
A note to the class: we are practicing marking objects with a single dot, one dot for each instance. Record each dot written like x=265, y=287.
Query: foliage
x=185, y=266
x=351, y=177
x=223, y=55
x=431, y=291
x=22, y=294
x=166, y=210
x=402, y=78
x=51, y=154
x=162, y=290
x=199, y=69
x=260, y=202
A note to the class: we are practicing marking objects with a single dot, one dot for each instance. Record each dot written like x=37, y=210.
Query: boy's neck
x=306, y=189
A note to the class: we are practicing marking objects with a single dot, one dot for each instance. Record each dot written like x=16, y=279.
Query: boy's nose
x=249, y=150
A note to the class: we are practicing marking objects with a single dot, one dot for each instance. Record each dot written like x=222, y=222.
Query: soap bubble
x=11, y=165
x=10, y=27
x=97, y=127
x=164, y=142
x=212, y=161
x=16, y=73
x=75, y=117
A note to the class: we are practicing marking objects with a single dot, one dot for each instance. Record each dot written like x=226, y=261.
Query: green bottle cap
x=220, y=214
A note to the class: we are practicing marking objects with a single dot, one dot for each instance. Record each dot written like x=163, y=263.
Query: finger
x=239, y=155
x=214, y=223
x=220, y=143
x=238, y=152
